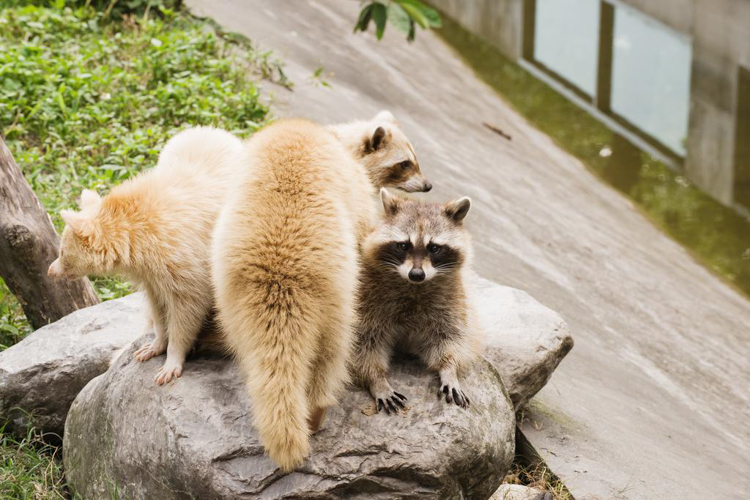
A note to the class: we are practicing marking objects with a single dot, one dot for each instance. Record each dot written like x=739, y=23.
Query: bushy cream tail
x=277, y=365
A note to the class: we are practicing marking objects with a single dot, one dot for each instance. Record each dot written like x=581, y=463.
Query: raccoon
x=384, y=150
x=285, y=271
x=155, y=229
x=413, y=297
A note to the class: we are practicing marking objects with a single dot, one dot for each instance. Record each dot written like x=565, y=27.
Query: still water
x=647, y=89
x=567, y=43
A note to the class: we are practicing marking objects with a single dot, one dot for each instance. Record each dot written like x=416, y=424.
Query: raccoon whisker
x=387, y=267
x=447, y=266
x=445, y=269
x=389, y=263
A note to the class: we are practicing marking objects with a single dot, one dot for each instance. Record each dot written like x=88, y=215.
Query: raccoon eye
x=434, y=249
x=405, y=164
x=403, y=246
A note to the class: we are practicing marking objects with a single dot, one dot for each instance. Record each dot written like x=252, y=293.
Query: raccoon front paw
x=170, y=371
x=454, y=394
x=150, y=350
x=390, y=401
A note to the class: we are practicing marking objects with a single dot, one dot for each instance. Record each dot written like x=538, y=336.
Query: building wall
x=500, y=22
x=677, y=14
x=721, y=44
x=720, y=31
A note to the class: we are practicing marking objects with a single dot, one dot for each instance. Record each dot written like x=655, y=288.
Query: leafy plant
x=404, y=15
x=88, y=100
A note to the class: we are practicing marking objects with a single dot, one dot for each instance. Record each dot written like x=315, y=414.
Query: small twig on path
x=497, y=131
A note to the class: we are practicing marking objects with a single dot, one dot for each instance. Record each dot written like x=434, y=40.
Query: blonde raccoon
x=285, y=267
x=155, y=229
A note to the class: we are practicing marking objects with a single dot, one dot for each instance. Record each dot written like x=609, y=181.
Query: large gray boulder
x=523, y=339
x=194, y=438
x=41, y=375
x=519, y=492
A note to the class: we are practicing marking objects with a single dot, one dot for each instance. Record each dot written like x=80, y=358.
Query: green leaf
x=433, y=18
x=364, y=18
x=399, y=18
x=379, y=16
x=415, y=14
x=430, y=15
x=9, y=329
x=61, y=103
x=412, y=31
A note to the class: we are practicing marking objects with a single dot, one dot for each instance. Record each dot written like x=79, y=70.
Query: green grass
x=29, y=468
x=87, y=101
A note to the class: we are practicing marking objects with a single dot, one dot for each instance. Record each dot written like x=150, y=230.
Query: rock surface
x=44, y=372
x=519, y=492
x=195, y=438
x=661, y=343
x=524, y=340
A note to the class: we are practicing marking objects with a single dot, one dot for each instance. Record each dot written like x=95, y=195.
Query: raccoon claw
x=394, y=403
x=453, y=395
x=168, y=373
x=148, y=351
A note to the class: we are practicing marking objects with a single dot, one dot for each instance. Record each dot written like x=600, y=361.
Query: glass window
x=566, y=39
x=651, y=78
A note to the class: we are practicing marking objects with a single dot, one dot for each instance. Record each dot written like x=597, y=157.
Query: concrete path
x=653, y=401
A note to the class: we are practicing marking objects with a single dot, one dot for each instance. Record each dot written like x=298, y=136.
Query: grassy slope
x=87, y=102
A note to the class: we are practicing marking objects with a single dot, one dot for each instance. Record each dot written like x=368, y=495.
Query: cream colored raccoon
x=285, y=270
x=387, y=155
x=285, y=264
x=413, y=297
x=156, y=230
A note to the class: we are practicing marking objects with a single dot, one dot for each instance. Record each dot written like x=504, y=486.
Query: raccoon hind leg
x=329, y=372
x=184, y=320
x=155, y=319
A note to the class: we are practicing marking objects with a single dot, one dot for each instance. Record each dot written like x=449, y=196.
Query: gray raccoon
x=413, y=297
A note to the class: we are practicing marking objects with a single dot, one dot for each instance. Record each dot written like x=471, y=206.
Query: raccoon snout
x=55, y=270
x=427, y=186
x=416, y=275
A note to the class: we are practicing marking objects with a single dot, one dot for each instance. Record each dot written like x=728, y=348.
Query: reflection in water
x=716, y=234
x=633, y=68
x=658, y=105
x=576, y=22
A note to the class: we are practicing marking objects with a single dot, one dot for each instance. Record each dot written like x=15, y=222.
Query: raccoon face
x=389, y=157
x=420, y=241
x=74, y=260
x=80, y=251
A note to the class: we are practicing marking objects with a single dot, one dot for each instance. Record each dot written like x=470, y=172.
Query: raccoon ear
x=457, y=210
x=377, y=140
x=391, y=203
x=78, y=222
x=385, y=116
x=90, y=199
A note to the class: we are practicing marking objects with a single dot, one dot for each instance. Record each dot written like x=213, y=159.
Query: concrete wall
x=500, y=22
x=677, y=14
x=720, y=30
x=721, y=44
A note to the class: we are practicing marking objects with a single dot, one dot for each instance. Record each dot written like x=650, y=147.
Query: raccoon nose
x=416, y=275
x=427, y=186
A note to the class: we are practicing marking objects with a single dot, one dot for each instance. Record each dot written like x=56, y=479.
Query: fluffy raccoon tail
x=276, y=355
